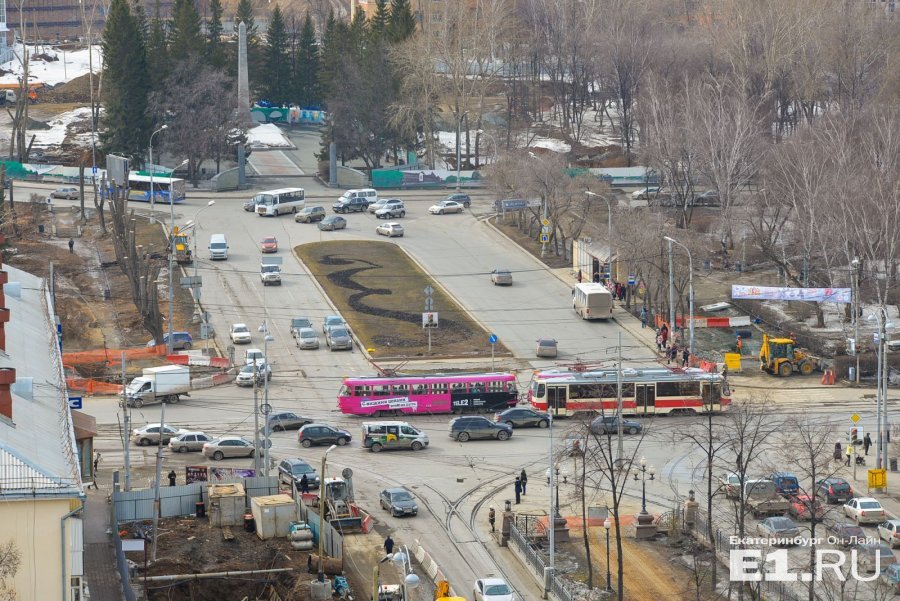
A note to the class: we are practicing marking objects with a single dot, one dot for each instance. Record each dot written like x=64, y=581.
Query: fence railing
x=534, y=557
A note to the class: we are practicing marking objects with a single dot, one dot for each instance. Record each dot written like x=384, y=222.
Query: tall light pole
x=609, y=232
x=322, y=491
x=551, y=518
x=459, y=118
x=264, y=328
x=545, y=230
x=170, y=341
x=607, y=524
x=410, y=580
x=193, y=224
x=671, y=293
x=152, y=201
x=493, y=141
x=644, y=471
x=881, y=386
x=690, y=287
x=854, y=265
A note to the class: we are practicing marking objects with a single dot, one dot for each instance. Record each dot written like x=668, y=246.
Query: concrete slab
x=273, y=163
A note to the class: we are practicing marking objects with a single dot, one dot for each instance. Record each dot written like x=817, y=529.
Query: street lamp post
x=609, y=230
x=264, y=328
x=459, y=118
x=690, y=289
x=410, y=580
x=193, y=224
x=170, y=341
x=644, y=470
x=854, y=264
x=607, y=525
x=152, y=204
x=881, y=375
x=321, y=575
x=551, y=518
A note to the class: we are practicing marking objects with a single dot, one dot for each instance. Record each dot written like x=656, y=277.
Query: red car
x=800, y=507
x=269, y=244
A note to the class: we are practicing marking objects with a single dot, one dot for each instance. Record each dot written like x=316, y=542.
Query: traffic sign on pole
x=74, y=402
x=493, y=339
x=545, y=238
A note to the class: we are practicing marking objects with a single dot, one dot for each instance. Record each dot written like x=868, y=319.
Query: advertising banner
x=819, y=295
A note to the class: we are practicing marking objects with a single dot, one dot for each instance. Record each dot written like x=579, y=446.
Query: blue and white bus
x=165, y=189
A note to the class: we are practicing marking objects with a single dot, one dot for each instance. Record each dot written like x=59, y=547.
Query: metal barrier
x=535, y=558
x=121, y=562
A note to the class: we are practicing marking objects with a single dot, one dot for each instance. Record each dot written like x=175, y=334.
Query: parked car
x=645, y=193
x=394, y=207
x=332, y=321
x=610, y=423
x=473, y=427
x=710, y=198
x=890, y=576
x=501, y=277
x=245, y=376
x=307, y=339
x=834, y=490
x=333, y=222
x=786, y=483
x=864, y=510
x=398, y=501
x=189, y=441
x=523, y=417
x=180, y=341
x=390, y=229
x=446, y=206
x=290, y=472
x=875, y=556
x=338, y=339
x=67, y=193
x=314, y=434
x=778, y=527
x=463, y=199
x=492, y=589
x=240, y=333
x=150, y=434
x=380, y=203
x=279, y=421
x=310, y=215
x=801, y=506
x=350, y=205
x=848, y=535
x=546, y=347
x=889, y=531
x=228, y=447
x=269, y=244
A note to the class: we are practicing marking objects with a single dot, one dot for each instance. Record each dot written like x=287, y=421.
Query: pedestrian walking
x=172, y=477
x=304, y=485
x=659, y=343
x=518, y=488
x=492, y=516
x=739, y=345
x=849, y=453
x=643, y=317
x=664, y=332
x=867, y=442
x=685, y=357
x=388, y=548
x=578, y=276
x=837, y=451
x=596, y=277
x=71, y=246
x=523, y=478
x=96, y=465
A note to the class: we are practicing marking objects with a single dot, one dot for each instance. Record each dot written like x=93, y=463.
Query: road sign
x=545, y=238
x=533, y=204
x=545, y=222
x=429, y=303
x=429, y=320
x=265, y=408
x=877, y=478
x=74, y=402
x=94, y=169
x=510, y=204
x=854, y=418
x=429, y=290
x=493, y=339
x=631, y=280
x=545, y=229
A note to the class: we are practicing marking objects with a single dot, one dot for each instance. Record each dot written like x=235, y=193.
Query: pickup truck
x=763, y=499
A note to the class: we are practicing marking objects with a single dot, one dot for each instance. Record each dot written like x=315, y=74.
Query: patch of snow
x=59, y=127
x=550, y=144
x=76, y=64
x=268, y=136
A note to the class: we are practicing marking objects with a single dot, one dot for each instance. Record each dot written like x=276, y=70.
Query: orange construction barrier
x=113, y=356
x=828, y=377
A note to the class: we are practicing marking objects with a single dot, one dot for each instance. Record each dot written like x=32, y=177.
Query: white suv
x=393, y=207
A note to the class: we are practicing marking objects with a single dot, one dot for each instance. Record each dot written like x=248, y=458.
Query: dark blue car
x=786, y=483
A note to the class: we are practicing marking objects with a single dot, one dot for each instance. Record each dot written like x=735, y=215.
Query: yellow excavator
x=781, y=357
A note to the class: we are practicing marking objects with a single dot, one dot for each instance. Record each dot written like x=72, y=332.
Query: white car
x=890, y=532
x=240, y=333
x=864, y=510
x=446, y=206
x=254, y=354
x=245, y=376
x=492, y=589
x=390, y=229
x=645, y=193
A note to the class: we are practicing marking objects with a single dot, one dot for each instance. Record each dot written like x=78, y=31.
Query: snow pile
x=76, y=64
x=58, y=127
x=267, y=136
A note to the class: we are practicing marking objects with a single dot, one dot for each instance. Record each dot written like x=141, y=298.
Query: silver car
x=501, y=277
x=190, y=441
x=245, y=376
x=307, y=339
x=67, y=193
x=338, y=338
x=332, y=321
x=150, y=434
x=228, y=446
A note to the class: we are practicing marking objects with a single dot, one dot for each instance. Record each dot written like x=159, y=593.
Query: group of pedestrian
x=520, y=485
x=672, y=355
x=662, y=336
x=848, y=454
x=619, y=291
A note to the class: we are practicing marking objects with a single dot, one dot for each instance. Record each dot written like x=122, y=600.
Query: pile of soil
x=76, y=90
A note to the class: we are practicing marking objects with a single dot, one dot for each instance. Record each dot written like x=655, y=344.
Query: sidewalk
x=99, y=554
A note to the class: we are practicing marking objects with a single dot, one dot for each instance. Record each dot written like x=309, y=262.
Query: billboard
x=816, y=295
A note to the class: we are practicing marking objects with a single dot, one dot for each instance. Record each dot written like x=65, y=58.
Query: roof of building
x=38, y=456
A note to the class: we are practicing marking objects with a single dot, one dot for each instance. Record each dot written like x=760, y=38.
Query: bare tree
x=10, y=560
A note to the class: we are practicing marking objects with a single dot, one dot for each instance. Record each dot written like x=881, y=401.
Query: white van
x=369, y=194
x=592, y=301
x=273, y=203
x=378, y=436
x=218, y=247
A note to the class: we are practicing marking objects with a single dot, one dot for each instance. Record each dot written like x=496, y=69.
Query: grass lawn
x=380, y=292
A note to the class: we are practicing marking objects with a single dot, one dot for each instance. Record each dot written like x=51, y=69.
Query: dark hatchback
x=290, y=471
x=604, y=425
x=834, y=490
x=315, y=434
x=848, y=535
x=521, y=417
x=467, y=428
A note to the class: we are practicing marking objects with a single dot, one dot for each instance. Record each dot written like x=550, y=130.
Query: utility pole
x=671, y=294
x=621, y=448
x=854, y=265
x=159, y=451
x=551, y=519
x=255, y=421
x=127, y=419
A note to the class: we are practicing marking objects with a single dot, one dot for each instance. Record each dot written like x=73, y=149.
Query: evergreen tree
x=157, y=52
x=380, y=20
x=402, y=23
x=335, y=48
x=140, y=19
x=306, y=67
x=126, y=84
x=215, y=54
x=186, y=40
x=277, y=81
x=358, y=33
x=245, y=15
